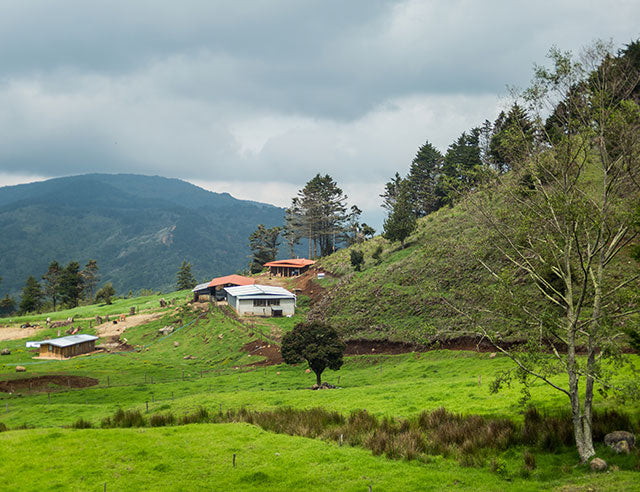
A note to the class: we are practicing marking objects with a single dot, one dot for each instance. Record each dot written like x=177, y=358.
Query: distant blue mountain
x=138, y=228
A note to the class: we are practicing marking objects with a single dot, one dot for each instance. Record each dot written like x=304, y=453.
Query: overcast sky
x=256, y=97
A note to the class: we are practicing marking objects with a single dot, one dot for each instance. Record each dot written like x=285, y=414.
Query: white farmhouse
x=261, y=300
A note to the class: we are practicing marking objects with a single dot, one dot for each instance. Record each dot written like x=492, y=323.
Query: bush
x=3, y=427
x=82, y=424
x=129, y=418
x=161, y=420
x=549, y=433
x=200, y=416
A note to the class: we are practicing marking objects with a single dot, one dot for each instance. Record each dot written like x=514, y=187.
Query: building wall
x=245, y=307
x=66, y=352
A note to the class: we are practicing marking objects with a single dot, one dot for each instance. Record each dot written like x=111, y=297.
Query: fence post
x=107, y=381
x=7, y=408
x=147, y=403
x=145, y=378
x=172, y=396
x=234, y=460
x=49, y=397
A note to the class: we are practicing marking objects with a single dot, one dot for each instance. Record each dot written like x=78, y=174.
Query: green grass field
x=40, y=451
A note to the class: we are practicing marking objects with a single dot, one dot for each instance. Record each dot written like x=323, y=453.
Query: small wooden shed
x=66, y=347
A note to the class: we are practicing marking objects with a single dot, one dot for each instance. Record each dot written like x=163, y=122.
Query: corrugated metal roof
x=259, y=290
x=200, y=287
x=68, y=341
x=293, y=263
x=232, y=279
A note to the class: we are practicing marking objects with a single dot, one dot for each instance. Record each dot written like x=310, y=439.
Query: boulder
x=613, y=438
x=492, y=355
x=132, y=311
x=21, y=369
x=621, y=447
x=598, y=464
x=163, y=303
x=176, y=344
x=5, y=351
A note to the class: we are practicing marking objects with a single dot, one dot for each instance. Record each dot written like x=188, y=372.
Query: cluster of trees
x=435, y=180
x=184, y=277
x=319, y=213
x=61, y=286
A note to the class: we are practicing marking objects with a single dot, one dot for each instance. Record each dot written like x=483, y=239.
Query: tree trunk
x=318, y=380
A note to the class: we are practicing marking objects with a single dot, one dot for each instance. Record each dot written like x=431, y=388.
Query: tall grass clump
x=128, y=418
x=312, y=422
x=82, y=424
x=3, y=427
x=200, y=416
x=547, y=432
x=162, y=419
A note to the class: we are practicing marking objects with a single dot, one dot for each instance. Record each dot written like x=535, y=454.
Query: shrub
x=3, y=427
x=529, y=460
x=200, y=416
x=129, y=418
x=161, y=419
x=547, y=432
x=82, y=424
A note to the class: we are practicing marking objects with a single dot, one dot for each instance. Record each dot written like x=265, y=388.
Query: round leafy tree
x=317, y=343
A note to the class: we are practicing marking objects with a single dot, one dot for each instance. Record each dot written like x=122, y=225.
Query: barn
x=289, y=268
x=66, y=347
x=214, y=290
x=261, y=300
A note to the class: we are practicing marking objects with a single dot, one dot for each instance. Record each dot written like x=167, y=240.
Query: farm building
x=289, y=268
x=261, y=300
x=214, y=290
x=65, y=347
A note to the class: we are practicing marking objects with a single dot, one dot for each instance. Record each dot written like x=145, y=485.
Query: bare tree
x=560, y=220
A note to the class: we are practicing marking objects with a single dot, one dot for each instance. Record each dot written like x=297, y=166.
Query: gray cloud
x=232, y=92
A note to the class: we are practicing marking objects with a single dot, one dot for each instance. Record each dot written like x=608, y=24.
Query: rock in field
x=176, y=344
x=21, y=369
x=621, y=447
x=598, y=464
x=5, y=351
x=613, y=438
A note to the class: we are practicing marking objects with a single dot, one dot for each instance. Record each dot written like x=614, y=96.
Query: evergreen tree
x=461, y=168
x=319, y=213
x=401, y=222
x=263, y=243
x=32, y=296
x=511, y=140
x=184, y=277
x=71, y=284
x=390, y=194
x=52, y=281
x=423, y=178
x=357, y=259
x=90, y=278
x=7, y=305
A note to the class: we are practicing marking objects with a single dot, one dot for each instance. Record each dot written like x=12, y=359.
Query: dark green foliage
x=71, y=284
x=263, y=244
x=391, y=191
x=32, y=296
x=376, y=254
x=461, y=169
x=401, y=221
x=200, y=416
x=106, y=293
x=367, y=231
x=161, y=419
x=511, y=140
x=52, y=280
x=3, y=427
x=90, y=278
x=357, y=259
x=319, y=213
x=423, y=178
x=82, y=424
x=529, y=460
x=184, y=277
x=317, y=343
x=7, y=305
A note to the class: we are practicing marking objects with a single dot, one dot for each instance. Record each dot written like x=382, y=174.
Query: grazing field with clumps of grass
x=171, y=411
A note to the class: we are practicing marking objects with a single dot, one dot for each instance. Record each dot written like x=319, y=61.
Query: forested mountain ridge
x=138, y=228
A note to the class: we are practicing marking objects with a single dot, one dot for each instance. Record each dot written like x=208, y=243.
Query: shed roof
x=231, y=279
x=292, y=263
x=200, y=287
x=251, y=291
x=68, y=341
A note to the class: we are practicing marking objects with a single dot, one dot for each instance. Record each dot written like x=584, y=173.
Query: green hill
x=138, y=228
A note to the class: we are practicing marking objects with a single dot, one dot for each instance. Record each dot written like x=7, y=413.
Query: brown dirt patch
x=108, y=329
x=44, y=383
x=270, y=351
x=368, y=347
x=14, y=332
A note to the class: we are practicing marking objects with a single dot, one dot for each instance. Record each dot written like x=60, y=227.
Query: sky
x=256, y=97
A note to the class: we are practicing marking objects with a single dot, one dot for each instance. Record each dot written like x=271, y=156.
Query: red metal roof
x=292, y=263
x=231, y=279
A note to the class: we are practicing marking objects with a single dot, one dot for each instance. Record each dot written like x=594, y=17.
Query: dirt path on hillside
x=15, y=332
x=111, y=329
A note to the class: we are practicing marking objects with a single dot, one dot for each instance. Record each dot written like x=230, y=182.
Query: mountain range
x=138, y=228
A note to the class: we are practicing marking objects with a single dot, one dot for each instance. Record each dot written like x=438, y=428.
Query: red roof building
x=230, y=281
x=214, y=290
x=289, y=268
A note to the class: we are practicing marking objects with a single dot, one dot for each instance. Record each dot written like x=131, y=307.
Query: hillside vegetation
x=138, y=228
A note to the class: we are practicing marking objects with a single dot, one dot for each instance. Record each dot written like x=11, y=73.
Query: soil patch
x=44, y=383
x=270, y=351
x=15, y=332
x=368, y=347
x=109, y=329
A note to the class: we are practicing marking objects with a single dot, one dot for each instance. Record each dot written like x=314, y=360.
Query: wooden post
x=152, y=399
x=479, y=380
x=183, y=374
x=234, y=460
x=369, y=488
x=7, y=408
x=200, y=373
x=49, y=396
x=220, y=409
x=105, y=487
x=172, y=396
x=147, y=403
x=338, y=379
x=341, y=439
x=107, y=381
x=145, y=378
x=209, y=388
